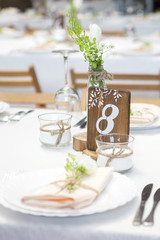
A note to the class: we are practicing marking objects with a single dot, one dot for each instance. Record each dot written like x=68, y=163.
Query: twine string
x=99, y=76
x=61, y=129
x=119, y=154
x=74, y=182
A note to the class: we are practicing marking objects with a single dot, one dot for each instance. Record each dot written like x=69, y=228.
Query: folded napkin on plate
x=53, y=196
x=144, y=116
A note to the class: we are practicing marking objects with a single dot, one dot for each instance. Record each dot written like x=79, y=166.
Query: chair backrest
x=80, y=85
x=21, y=78
x=138, y=82
x=39, y=99
x=114, y=33
x=155, y=101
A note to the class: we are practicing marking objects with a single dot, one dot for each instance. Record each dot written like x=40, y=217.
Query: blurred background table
x=28, y=38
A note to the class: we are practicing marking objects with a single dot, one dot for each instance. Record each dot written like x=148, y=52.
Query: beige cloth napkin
x=148, y=117
x=52, y=197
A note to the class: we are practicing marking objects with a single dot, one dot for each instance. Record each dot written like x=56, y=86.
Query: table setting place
x=86, y=182
x=50, y=195
x=94, y=173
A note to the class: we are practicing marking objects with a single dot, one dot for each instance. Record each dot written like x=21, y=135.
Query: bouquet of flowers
x=92, y=48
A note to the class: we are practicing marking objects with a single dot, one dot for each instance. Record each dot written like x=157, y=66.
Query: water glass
x=55, y=129
x=115, y=150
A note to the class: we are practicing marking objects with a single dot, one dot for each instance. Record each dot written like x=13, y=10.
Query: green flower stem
x=90, y=50
x=95, y=83
x=74, y=171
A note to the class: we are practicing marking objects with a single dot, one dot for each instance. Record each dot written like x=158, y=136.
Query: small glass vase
x=97, y=77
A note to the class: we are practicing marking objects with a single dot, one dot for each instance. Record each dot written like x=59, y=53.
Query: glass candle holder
x=55, y=129
x=115, y=150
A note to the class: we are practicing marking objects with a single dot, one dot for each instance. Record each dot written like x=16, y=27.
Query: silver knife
x=150, y=219
x=145, y=195
x=83, y=125
x=80, y=122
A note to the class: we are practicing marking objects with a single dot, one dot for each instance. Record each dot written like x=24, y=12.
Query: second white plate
x=155, y=124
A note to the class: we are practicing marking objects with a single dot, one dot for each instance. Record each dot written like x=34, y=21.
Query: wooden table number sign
x=108, y=112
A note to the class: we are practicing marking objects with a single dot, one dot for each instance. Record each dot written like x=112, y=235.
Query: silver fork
x=8, y=117
x=21, y=114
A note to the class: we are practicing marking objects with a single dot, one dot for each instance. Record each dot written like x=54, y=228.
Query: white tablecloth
x=21, y=150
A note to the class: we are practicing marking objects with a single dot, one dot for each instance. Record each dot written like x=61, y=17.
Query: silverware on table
x=144, y=197
x=83, y=125
x=80, y=122
x=150, y=219
x=17, y=117
x=8, y=117
x=14, y=117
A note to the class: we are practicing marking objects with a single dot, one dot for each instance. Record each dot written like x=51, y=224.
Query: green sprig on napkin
x=75, y=172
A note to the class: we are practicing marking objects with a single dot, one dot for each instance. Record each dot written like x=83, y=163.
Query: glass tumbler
x=55, y=129
x=115, y=150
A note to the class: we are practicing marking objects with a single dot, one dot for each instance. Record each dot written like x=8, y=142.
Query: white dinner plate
x=153, y=125
x=119, y=191
x=3, y=106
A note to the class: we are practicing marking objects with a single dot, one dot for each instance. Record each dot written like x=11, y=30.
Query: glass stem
x=66, y=69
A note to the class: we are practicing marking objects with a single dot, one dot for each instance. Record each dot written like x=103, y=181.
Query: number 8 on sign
x=109, y=119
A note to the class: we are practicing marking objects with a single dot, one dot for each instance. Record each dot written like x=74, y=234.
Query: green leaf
x=131, y=113
x=81, y=48
x=147, y=44
x=72, y=156
x=82, y=170
x=74, y=171
x=94, y=64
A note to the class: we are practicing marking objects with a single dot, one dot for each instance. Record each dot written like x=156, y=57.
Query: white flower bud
x=77, y=3
x=87, y=162
x=95, y=32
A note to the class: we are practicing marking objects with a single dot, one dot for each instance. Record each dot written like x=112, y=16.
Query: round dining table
x=21, y=151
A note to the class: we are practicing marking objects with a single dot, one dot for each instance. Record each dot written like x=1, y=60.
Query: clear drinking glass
x=67, y=98
x=55, y=129
x=115, y=150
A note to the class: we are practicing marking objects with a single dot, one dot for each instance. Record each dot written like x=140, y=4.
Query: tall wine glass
x=67, y=97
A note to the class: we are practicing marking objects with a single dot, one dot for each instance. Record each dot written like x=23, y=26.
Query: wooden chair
x=37, y=99
x=155, y=101
x=137, y=82
x=114, y=33
x=140, y=82
x=80, y=85
x=21, y=78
